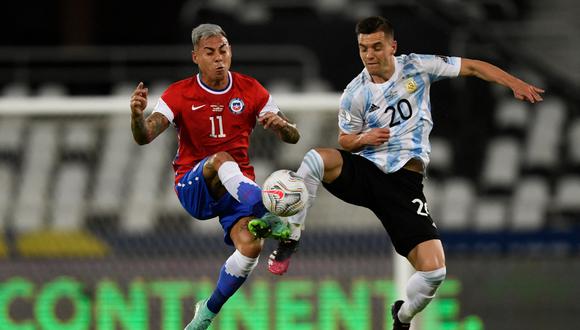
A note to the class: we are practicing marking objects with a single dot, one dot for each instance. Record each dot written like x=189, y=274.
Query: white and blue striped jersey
x=402, y=104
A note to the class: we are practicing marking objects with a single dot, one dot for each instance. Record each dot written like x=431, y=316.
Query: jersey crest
x=237, y=105
x=410, y=85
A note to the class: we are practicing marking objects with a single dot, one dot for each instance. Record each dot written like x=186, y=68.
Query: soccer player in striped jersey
x=214, y=113
x=385, y=121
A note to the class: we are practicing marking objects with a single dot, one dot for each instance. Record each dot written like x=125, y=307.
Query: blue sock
x=227, y=285
x=252, y=195
x=233, y=274
x=241, y=188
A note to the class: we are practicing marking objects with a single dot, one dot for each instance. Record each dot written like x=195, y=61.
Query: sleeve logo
x=344, y=115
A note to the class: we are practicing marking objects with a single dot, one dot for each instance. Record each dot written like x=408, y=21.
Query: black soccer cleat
x=280, y=258
x=397, y=324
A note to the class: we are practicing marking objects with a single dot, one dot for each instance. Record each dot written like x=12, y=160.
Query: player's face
x=376, y=52
x=213, y=56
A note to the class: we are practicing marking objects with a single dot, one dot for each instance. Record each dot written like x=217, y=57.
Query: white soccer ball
x=284, y=193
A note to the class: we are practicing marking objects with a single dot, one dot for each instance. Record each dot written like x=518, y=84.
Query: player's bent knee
x=332, y=163
x=427, y=256
x=251, y=248
x=430, y=263
x=435, y=277
x=249, y=245
x=329, y=155
x=219, y=158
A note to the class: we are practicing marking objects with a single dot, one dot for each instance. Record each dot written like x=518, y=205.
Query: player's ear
x=194, y=56
x=394, y=46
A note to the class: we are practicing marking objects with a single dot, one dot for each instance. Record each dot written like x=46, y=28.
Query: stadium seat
x=79, y=135
x=38, y=164
x=111, y=169
x=490, y=214
x=79, y=140
x=6, y=186
x=281, y=86
x=512, y=115
x=441, y=157
x=68, y=206
x=530, y=204
x=573, y=144
x=501, y=166
x=456, y=204
x=226, y=6
x=52, y=90
x=567, y=194
x=316, y=85
x=144, y=185
x=11, y=138
x=432, y=188
x=544, y=136
x=156, y=88
x=168, y=200
x=124, y=89
x=16, y=90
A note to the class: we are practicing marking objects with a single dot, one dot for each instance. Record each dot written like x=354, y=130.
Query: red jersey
x=209, y=121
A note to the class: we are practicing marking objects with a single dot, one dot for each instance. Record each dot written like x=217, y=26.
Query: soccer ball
x=284, y=193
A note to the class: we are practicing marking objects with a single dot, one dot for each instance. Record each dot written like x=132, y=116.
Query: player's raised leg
x=318, y=165
x=221, y=170
x=228, y=172
x=428, y=259
x=233, y=274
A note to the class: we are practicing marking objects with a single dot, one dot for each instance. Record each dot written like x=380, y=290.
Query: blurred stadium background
x=92, y=236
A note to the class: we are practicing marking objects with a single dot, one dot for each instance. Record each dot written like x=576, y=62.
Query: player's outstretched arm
x=145, y=130
x=489, y=72
x=278, y=123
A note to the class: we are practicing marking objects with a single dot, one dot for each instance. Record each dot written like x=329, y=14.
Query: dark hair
x=375, y=24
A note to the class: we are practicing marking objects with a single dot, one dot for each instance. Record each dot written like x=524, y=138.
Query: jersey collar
x=215, y=91
x=391, y=79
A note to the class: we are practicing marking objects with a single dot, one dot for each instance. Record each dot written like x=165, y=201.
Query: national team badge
x=237, y=105
x=410, y=85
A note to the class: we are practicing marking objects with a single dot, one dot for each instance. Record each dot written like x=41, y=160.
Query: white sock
x=239, y=265
x=312, y=170
x=421, y=289
x=232, y=178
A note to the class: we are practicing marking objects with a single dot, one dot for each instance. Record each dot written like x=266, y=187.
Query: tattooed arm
x=145, y=130
x=286, y=131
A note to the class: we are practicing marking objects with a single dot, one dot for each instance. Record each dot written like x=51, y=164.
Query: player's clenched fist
x=272, y=121
x=376, y=136
x=139, y=99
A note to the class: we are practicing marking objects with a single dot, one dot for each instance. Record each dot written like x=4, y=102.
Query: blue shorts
x=195, y=198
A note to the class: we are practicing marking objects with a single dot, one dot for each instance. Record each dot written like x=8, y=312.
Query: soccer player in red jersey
x=214, y=113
